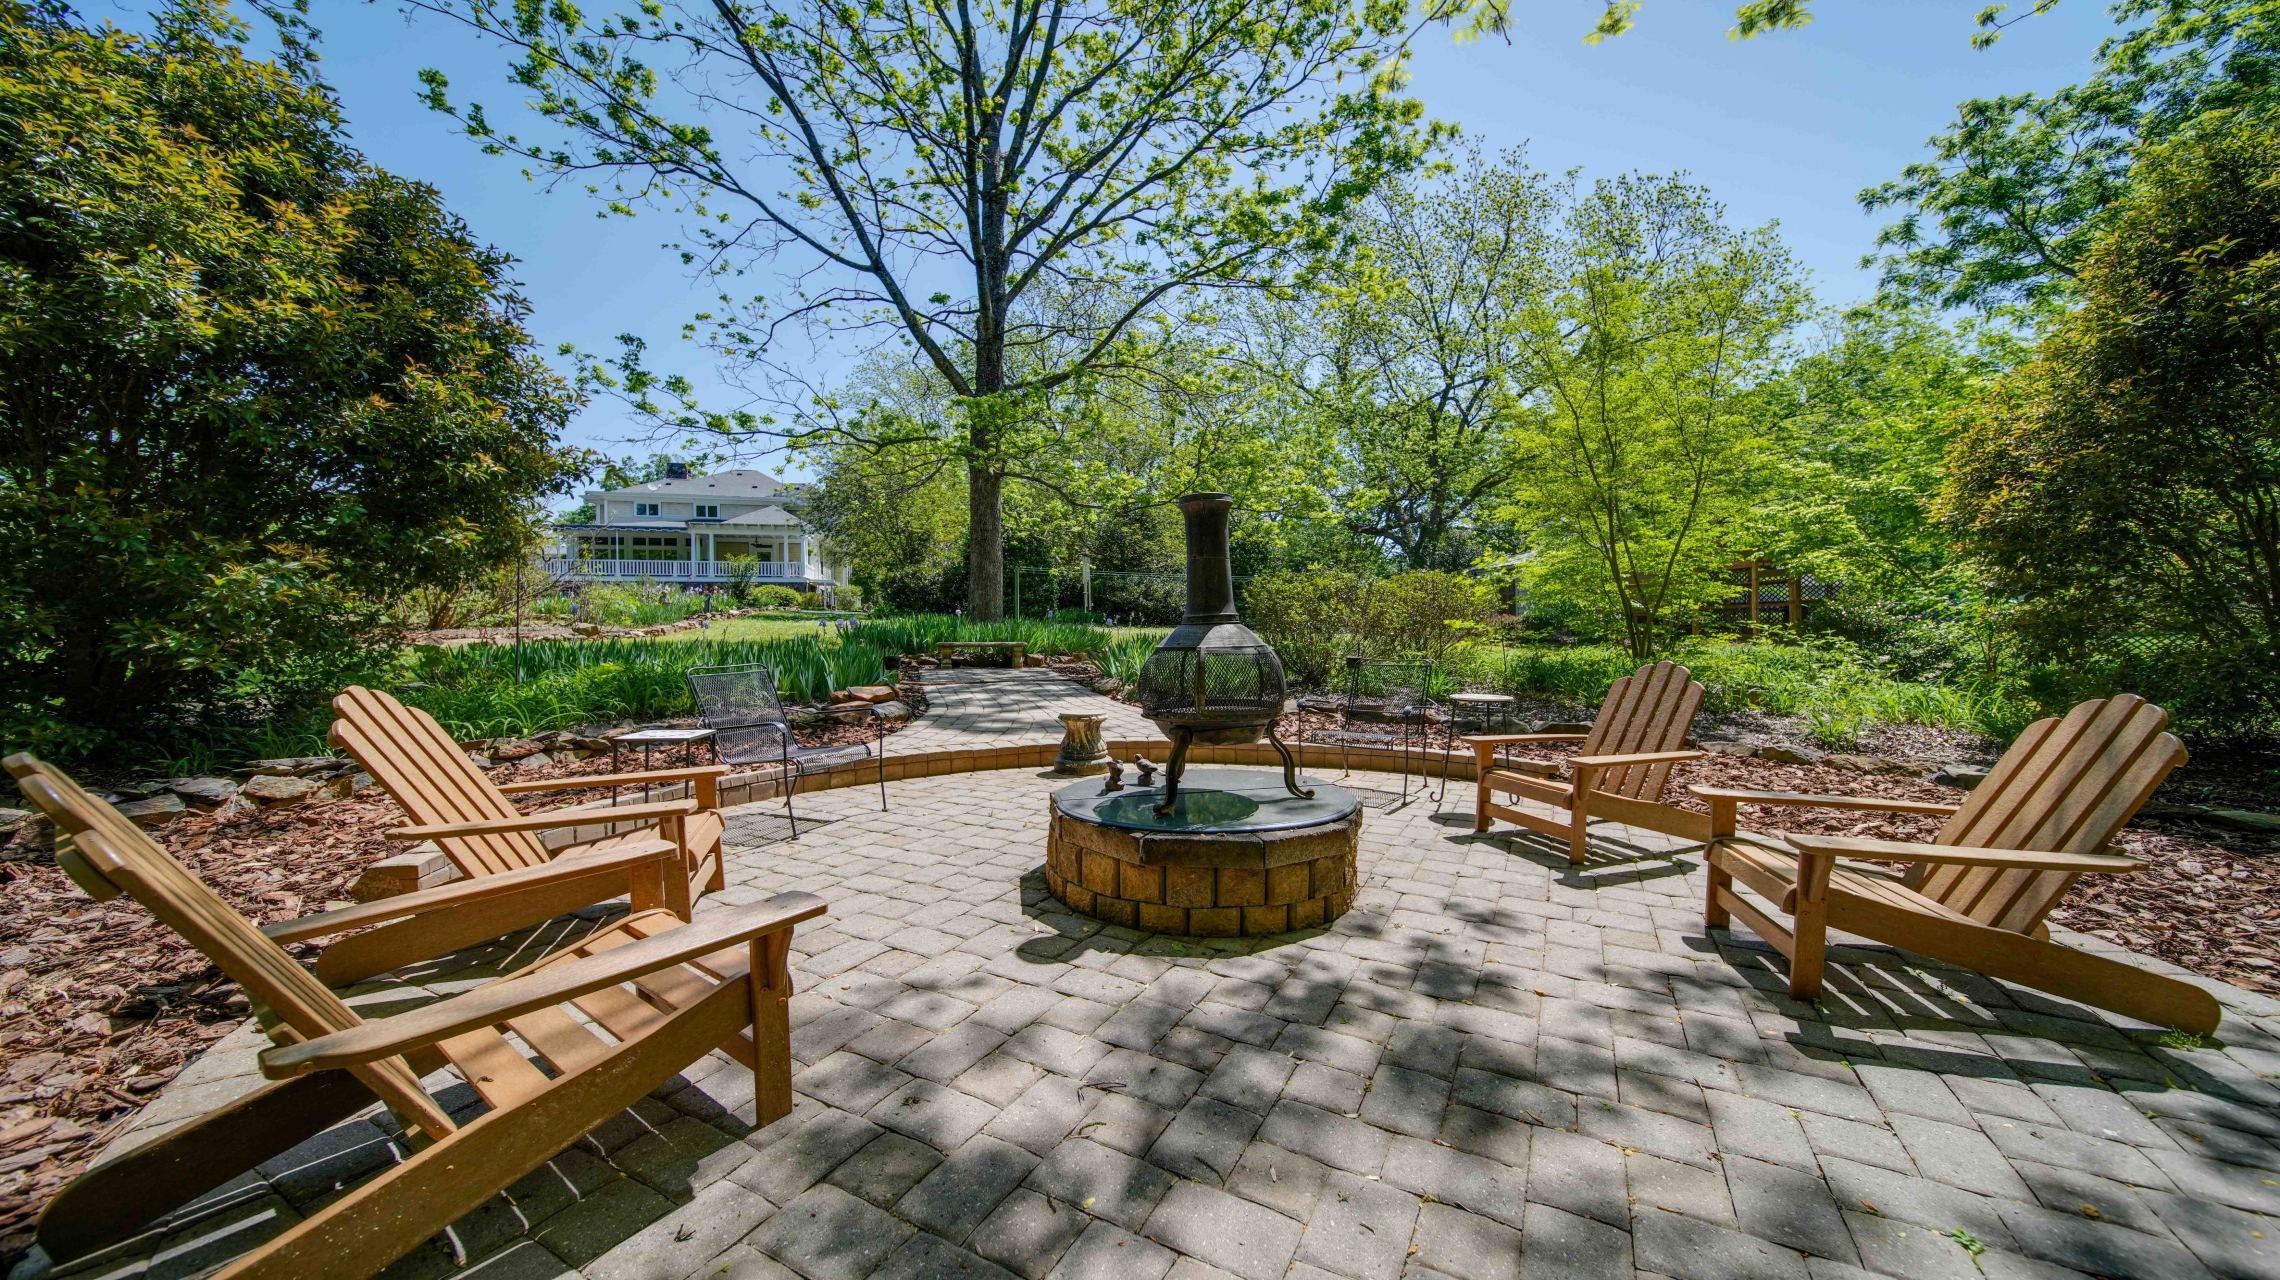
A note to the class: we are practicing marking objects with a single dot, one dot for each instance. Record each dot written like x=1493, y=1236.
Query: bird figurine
x=1115, y=780
x=1147, y=770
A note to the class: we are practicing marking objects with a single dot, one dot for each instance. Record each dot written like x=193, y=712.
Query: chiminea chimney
x=1212, y=680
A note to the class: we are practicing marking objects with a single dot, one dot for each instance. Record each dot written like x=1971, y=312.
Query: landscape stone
x=1729, y=747
x=510, y=748
x=1859, y=763
x=204, y=789
x=1784, y=754
x=1963, y=777
x=154, y=812
x=275, y=788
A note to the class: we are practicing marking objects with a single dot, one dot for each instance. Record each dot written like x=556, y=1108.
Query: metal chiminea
x=1212, y=680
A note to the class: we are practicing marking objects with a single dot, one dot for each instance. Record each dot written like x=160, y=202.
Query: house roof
x=720, y=484
x=760, y=518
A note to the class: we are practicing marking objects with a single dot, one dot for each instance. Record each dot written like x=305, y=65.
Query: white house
x=686, y=528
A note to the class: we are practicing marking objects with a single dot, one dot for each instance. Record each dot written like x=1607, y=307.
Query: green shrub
x=773, y=596
x=1308, y=616
x=1422, y=614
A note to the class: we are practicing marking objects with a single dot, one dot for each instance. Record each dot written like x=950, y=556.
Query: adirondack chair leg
x=119, y=1198
x=771, y=985
x=389, y=1216
x=1578, y=834
x=1482, y=799
x=1714, y=912
x=1808, y=949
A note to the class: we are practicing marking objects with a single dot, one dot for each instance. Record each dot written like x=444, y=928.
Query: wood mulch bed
x=100, y=1005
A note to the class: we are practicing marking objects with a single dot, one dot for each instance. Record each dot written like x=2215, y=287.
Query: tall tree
x=935, y=170
x=1408, y=362
x=1636, y=482
x=2019, y=187
x=253, y=387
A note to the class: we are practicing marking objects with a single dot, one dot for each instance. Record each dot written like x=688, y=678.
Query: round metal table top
x=1211, y=802
x=1481, y=697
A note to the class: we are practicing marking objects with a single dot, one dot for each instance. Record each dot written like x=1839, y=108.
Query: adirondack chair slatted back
x=1652, y=709
x=2066, y=786
x=108, y=855
x=432, y=779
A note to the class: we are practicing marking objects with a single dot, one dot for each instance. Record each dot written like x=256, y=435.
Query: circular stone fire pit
x=1238, y=855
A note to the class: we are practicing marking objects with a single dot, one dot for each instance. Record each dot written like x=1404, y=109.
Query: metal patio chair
x=742, y=708
x=1384, y=703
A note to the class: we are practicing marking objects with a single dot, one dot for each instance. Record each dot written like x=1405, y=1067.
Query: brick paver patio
x=969, y=708
x=1493, y=1067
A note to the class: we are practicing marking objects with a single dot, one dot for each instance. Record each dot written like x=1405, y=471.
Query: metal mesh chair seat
x=750, y=727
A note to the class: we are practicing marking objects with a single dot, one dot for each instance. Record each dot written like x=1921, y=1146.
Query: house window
x=641, y=548
x=645, y=508
x=708, y=511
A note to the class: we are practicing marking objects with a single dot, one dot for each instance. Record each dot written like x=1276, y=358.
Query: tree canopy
x=2124, y=483
x=253, y=385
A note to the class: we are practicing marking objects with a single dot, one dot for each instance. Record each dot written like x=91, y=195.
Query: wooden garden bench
x=667, y=993
x=1976, y=896
x=471, y=819
x=1016, y=651
x=1618, y=774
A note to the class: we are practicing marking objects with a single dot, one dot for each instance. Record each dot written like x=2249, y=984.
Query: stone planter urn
x=1082, y=751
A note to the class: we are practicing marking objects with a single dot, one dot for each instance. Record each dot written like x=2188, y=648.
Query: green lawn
x=750, y=629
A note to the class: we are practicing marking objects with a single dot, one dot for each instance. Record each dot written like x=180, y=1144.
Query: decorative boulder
x=270, y=788
x=1961, y=776
x=154, y=812
x=1780, y=754
x=1728, y=747
x=290, y=766
x=896, y=710
x=511, y=748
x=203, y=790
x=1858, y=763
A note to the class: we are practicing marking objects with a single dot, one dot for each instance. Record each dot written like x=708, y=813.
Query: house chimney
x=676, y=470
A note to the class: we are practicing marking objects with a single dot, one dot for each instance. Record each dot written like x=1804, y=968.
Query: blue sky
x=1789, y=126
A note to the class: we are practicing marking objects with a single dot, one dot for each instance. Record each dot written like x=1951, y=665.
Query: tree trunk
x=985, y=543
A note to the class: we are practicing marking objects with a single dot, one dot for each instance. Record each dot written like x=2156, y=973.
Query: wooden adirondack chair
x=471, y=819
x=666, y=992
x=1618, y=774
x=1976, y=895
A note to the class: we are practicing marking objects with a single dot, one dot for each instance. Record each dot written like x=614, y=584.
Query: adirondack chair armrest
x=1486, y=745
x=548, y=821
x=646, y=776
x=1724, y=800
x=1956, y=855
x=539, y=988
x=1582, y=763
x=631, y=857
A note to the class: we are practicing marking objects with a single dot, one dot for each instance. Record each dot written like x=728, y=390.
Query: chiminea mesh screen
x=1237, y=680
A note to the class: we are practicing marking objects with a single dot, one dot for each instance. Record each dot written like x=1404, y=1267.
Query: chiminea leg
x=1172, y=770
x=1290, y=768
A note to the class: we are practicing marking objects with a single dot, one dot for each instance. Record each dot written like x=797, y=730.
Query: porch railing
x=668, y=570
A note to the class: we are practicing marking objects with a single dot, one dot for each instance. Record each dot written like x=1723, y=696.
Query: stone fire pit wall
x=1204, y=885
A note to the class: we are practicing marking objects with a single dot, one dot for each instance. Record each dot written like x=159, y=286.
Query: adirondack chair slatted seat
x=1618, y=773
x=662, y=993
x=1976, y=896
x=471, y=819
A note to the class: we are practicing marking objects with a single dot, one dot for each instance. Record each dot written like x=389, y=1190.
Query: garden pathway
x=1495, y=1067
x=975, y=708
